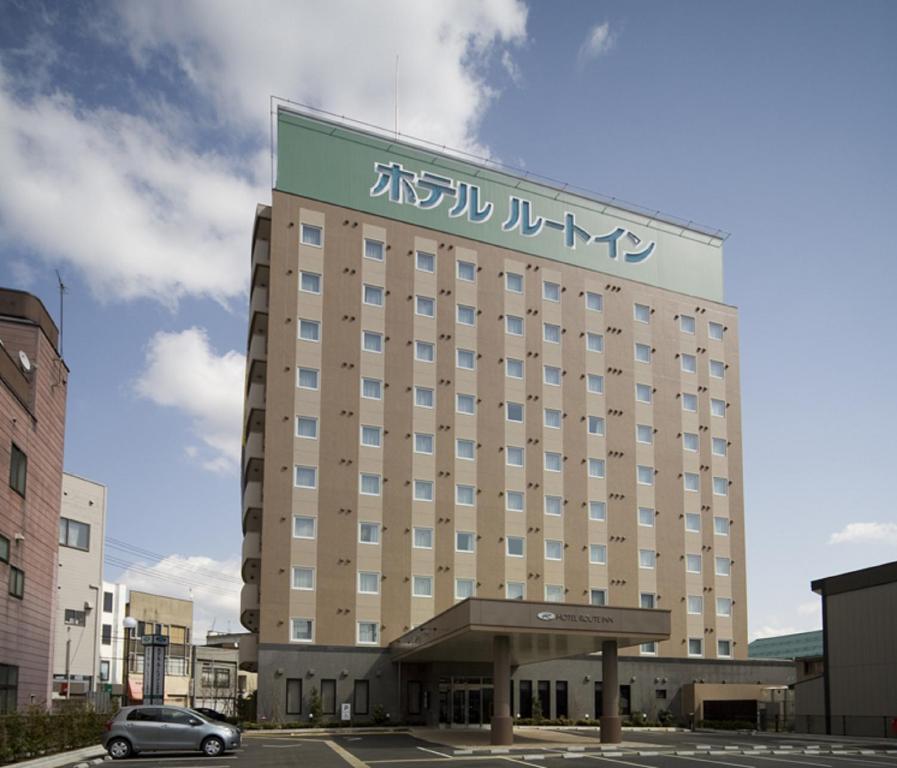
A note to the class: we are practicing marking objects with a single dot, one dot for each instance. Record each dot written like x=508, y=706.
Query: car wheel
x=212, y=746
x=119, y=748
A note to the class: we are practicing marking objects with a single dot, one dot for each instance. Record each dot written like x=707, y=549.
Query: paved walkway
x=478, y=738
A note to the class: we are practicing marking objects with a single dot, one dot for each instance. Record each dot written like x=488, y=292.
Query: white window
x=596, y=468
x=686, y=324
x=467, y=359
x=643, y=353
x=312, y=235
x=373, y=249
x=595, y=384
x=422, y=586
x=369, y=582
x=642, y=313
x=647, y=558
x=514, y=456
x=594, y=342
x=717, y=369
x=643, y=393
x=515, y=590
x=695, y=604
x=553, y=505
x=551, y=291
x=467, y=315
x=692, y=481
x=465, y=495
x=515, y=412
x=693, y=563
x=307, y=378
x=721, y=526
x=425, y=262
x=596, y=425
x=692, y=522
x=423, y=397
x=310, y=282
x=719, y=446
x=373, y=295
x=644, y=433
x=424, y=351
x=598, y=511
x=723, y=566
x=551, y=333
x=598, y=597
x=423, y=490
x=646, y=600
x=689, y=402
x=648, y=649
x=514, y=501
x=309, y=330
x=465, y=541
x=688, y=363
x=553, y=461
x=514, y=282
x=552, y=375
x=695, y=646
x=715, y=331
x=370, y=484
x=303, y=578
x=552, y=418
x=724, y=648
x=423, y=443
x=515, y=546
x=514, y=325
x=720, y=486
x=302, y=630
x=717, y=407
x=689, y=441
x=465, y=449
x=369, y=533
x=514, y=368
x=645, y=475
x=554, y=549
x=594, y=301
x=465, y=404
x=372, y=341
x=464, y=588
x=368, y=633
x=423, y=538
x=307, y=427
x=371, y=389
x=724, y=606
x=306, y=477
x=467, y=271
x=303, y=527
x=554, y=593
x=425, y=306
x=646, y=517
x=597, y=554
x=371, y=436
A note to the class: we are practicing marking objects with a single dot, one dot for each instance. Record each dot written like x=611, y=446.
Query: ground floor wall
x=376, y=688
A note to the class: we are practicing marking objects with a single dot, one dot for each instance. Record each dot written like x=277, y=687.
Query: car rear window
x=146, y=715
x=178, y=716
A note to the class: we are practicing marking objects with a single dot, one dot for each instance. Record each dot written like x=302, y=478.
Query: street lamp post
x=130, y=624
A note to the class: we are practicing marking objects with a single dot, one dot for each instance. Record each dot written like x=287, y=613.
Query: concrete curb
x=85, y=755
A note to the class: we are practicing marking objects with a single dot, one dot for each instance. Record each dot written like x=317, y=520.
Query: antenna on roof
x=396, y=116
x=62, y=290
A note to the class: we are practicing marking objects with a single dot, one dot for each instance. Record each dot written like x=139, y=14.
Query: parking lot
x=643, y=749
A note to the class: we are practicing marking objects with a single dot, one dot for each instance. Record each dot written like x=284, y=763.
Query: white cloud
x=811, y=608
x=510, y=66
x=599, y=41
x=865, y=533
x=773, y=630
x=216, y=599
x=183, y=371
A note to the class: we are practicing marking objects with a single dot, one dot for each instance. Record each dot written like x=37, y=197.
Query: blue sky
x=134, y=143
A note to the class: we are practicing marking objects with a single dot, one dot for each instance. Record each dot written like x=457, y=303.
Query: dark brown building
x=33, y=381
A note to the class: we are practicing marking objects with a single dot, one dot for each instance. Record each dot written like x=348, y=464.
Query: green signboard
x=366, y=172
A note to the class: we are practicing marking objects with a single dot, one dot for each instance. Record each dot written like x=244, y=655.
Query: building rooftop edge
x=863, y=578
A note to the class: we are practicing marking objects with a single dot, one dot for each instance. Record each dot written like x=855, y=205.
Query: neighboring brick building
x=33, y=381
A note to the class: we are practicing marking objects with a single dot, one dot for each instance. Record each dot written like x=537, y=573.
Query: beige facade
x=456, y=419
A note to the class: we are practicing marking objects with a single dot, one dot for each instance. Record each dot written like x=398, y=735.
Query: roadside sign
x=154, y=668
x=346, y=712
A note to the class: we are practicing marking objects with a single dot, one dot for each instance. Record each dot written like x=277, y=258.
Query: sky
x=134, y=146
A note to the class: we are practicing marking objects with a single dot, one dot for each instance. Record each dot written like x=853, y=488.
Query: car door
x=179, y=732
x=145, y=728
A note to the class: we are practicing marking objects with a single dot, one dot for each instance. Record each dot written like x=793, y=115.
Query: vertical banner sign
x=154, y=647
x=345, y=712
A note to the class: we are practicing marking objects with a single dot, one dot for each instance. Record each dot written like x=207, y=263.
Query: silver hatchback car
x=156, y=728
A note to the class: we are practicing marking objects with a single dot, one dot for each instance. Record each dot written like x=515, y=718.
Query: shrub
x=35, y=731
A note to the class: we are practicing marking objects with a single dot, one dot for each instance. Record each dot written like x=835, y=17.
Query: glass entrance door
x=471, y=701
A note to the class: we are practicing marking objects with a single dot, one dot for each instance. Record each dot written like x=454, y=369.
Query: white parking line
x=783, y=760
x=706, y=760
x=521, y=762
x=434, y=752
x=616, y=760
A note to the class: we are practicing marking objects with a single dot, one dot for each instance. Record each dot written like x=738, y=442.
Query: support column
x=502, y=724
x=611, y=727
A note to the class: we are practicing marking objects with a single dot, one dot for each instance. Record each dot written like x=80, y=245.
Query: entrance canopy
x=535, y=631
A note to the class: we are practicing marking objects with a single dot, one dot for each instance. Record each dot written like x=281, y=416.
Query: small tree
x=315, y=707
x=537, y=710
